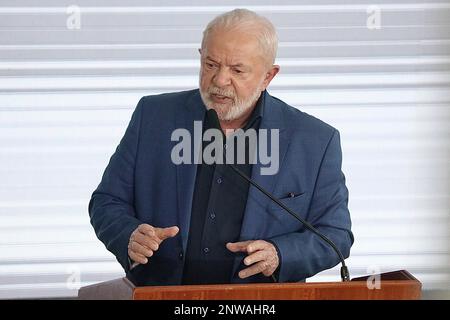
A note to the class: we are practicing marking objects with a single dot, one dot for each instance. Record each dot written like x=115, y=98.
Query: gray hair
x=249, y=20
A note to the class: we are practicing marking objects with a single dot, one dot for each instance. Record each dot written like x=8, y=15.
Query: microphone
x=345, y=275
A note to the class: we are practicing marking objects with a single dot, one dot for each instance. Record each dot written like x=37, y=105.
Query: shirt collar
x=257, y=113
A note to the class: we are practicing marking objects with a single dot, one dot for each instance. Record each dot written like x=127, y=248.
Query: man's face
x=233, y=73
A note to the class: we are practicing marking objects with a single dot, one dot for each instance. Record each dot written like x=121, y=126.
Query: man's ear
x=270, y=75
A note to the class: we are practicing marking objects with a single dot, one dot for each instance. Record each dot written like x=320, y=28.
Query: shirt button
x=206, y=250
x=212, y=215
x=219, y=180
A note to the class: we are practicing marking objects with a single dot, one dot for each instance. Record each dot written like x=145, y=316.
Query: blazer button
x=181, y=255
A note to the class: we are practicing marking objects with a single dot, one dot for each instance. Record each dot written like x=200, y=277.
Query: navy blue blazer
x=142, y=185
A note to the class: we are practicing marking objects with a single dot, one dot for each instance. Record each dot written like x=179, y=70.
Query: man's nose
x=222, y=78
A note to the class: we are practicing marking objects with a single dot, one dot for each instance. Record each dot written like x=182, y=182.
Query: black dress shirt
x=219, y=201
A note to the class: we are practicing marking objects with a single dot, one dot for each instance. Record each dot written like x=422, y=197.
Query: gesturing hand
x=146, y=239
x=262, y=257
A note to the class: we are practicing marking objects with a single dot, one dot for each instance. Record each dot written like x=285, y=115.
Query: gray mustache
x=222, y=93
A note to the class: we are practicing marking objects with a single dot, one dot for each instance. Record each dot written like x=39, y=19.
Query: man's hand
x=262, y=256
x=146, y=239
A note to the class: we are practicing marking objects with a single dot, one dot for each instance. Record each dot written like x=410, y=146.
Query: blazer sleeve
x=303, y=253
x=111, y=208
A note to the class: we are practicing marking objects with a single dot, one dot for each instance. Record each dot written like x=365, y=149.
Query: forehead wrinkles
x=232, y=48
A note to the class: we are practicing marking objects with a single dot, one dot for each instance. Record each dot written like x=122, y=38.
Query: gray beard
x=237, y=109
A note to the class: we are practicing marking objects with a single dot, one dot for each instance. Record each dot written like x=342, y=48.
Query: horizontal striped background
x=66, y=96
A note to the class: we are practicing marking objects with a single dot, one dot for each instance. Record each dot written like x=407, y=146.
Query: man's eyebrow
x=242, y=67
x=237, y=65
x=209, y=58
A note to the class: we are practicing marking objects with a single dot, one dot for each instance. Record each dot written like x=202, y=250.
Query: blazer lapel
x=194, y=111
x=253, y=224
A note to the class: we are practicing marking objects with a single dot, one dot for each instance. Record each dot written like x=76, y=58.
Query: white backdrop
x=71, y=73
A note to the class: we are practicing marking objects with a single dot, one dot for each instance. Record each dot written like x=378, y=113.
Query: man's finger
x=146, y=229
x=164, y=233
x=136, y=257
x=256, y=257
x=149, y=242
x=238, y=246
x=257, y=245
x=254, y=269
x=138, y=248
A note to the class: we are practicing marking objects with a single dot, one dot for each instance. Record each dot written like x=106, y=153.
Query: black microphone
x=213, y=120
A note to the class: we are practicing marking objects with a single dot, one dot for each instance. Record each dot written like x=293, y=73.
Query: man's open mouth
x=219, y=97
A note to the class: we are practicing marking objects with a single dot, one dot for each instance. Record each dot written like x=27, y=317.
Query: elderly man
x=196, y=223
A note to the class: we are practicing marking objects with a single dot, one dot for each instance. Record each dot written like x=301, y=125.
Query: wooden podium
x=397, y=285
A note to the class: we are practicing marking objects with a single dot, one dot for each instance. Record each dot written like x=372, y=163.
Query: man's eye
x=209, y=65
x=238, y=71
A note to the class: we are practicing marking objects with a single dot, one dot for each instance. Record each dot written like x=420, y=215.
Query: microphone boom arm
x=345, y=275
